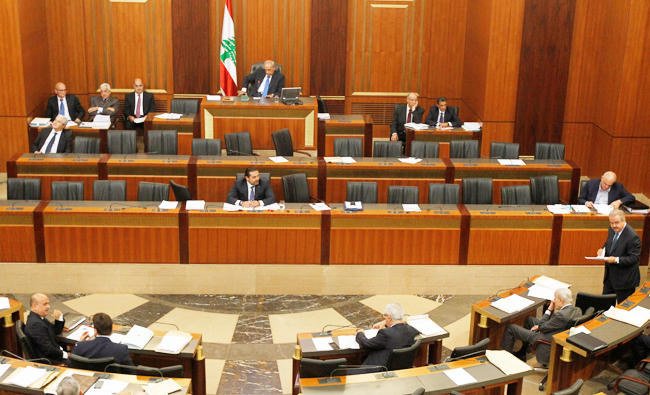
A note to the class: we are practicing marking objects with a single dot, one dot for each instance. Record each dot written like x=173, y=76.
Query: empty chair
x=109, y=190
x=403, y=194
x=470, y=351
x=544, y=190
x=67, y=190
x=463, y=149
x=296, y=189
x=96, y=364
x=188, y=107
x=364, y=191
x=181, y=192
x=167, y=371
x=402, y=358
x=599, y=303
x=283, y=143
x=162, y=142
x=122, y=142
x=477, y=191
x=516, y=194
x=23, y=188
x=634, y=381
x=504, y=150
x=424, y=149
x=152, y=191
x=549, y=151
x=387, y=149
x=444, y=193
x=574, y=389
x=348, y=147
x=86, y=145
x=320, y=368
x=206, y=147
x=238, y=143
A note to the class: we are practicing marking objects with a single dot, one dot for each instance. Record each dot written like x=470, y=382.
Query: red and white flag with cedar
x=228, y=54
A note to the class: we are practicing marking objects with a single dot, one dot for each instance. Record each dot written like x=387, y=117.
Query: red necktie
x=409, y=118
x=137, y=106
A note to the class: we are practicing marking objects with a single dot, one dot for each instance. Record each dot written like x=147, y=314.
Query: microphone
x=322, y=331
x=7, y=352
x=360, y=368
x=230, y=151
x=12, y=206
x=168, y=323
x=124, y=205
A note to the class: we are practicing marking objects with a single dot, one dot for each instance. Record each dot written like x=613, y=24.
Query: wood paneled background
x=573, y=71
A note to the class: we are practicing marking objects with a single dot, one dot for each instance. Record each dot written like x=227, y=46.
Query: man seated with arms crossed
x=405, y=113
x=442, y=117
x=41, y=332
x=393, y=333
x=266, y=82
x=605, y=191
x=63, y=104
x=251, y=191
x=102, y=346
x=53, y=140
x=556, y=319
x=104, y=104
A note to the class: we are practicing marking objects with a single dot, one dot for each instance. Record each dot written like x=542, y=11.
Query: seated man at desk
x=605, y=191
x=41, y=332
x=266, y=82
x=137, y=105
x=102, y=346
x=104, y=104
x=393, y=333
x=63, y=104
x=442, y=116
x=556, y=319
x=405, y=113
x=53, y=140
x=251, y=191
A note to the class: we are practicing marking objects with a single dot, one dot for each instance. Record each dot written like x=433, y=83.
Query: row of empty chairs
x=30, y=189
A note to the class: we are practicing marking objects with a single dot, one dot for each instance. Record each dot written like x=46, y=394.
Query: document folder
x=587, y=342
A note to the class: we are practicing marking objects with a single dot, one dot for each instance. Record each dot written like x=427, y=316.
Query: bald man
x=405, y=113
x=605, y=191
x=64, y=104
x=42, y=332
x=265, y=82
x=137, y=105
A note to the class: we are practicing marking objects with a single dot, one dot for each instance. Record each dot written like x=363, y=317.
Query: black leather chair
x=500, y=150
x=152, y=191
x=463, y=149
x=544, y=190
x=67, y=190
x=348, y=147
x=424, y=149
x=387, y=149
x=187, y=107
x=206, y=147
x=23, y=188
x=122, y=142
x=634, y=381
x=470, y=351
x=263, y=177
x=181, y=192
x=477, y=191
x=361, y=191
x=296, y=188
x=402, y=358
x=319, y=368
x=86, y=145
x=238, y=144
x=283, y=143
x=549, y=151
x=516, y=194
x=574, y=389
x=599, y=303
x=26, y=344
x=141, y=370
x=260, y=65
x=162, y=142
x=97, y=364
x=109, y=190
x=398, y=194
x=444, y=193
x=322, y=106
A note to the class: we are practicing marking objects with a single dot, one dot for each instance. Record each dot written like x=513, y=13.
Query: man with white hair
x=556, y=319
x=68, y=386
x=64, y=104
x=393, y=333
x=104, y=104
x=53, y=139
x=605, y=191
x=265, y=82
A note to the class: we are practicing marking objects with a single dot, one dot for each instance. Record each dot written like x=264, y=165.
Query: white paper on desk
x=270, y=207
x=559, y=208
x=231, y=207
x=70, y=123
x=578, y=329
x=506, y=362
x=167, y=205
x=347, y=160
x=278, y=159
x=100, y=125
x=213, y=97
x=139, y=120
x=411, y=208
x=116, y=337
x=580, y=208
x=101, y=118
x=417, y=126
x=634, y=317
x=511, y=162
x=86, y=125
x=169, y=115
x=603, y=209
x=4, y=302
x=472, y=126
x=320, y=206
x=76, y=335
x=40, y=121
x=425, y=325
x=173, y=342
x=410, y=160
x=3, y=368
x=324, y=116
x=137, y=337
x=347, y=342
x=107, y=387
x=512, y=303
x=370, y=333
x=198, y=205
x=459, y=376
x=26, y=376
x=322, y=343
x=353, y=206
x=164, y=387
x=537, y=291
x=551, y=283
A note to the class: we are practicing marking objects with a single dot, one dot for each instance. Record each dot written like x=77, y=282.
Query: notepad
x=411, y=208
x=459, y=376
x=77, y=334
x=320, y=206
x=506, y=362
x=197, y=205
x=137, y=337
x=410, y=160
x=173, y=342
x=167, y=205
x=347, y=341
x=4, y=302
x=322, y=343
x=278, y=159
x=425, y=325
x=39, y=121
x=353, y=206
x=169, y=115
x=164, y=387
x=512, y=303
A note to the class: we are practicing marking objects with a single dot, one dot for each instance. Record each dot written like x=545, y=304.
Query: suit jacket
x=42, y=335
x=97, y=101
x=263, y=192
x=625, y=273
x=256, y=78
x=616, y=191
x=65, y=141
x=387, y=339
x=129, y=107
x=399, y=118
x=101, y=347
x=74, y=107
x=451, y=116
x=549, y=325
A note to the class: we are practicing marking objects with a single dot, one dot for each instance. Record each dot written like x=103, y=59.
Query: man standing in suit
x=137, y=105
x=104, y=104
x=393, y=333
x=605, y=191
x=41, y=332
x=53, y=140
x=442, y=116
x=557, y=317
x=251, y=191
x=266, y=82
x=63, y=104
x=621, y=255
x=405, y=113
x=102, y=346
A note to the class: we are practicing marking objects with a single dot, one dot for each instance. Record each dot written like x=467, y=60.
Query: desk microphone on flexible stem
x=12, y=206
x=323, y=332
x=230, y=151
x=168, y=323
x=494, y=297
x=360, y=368
x=124, y=205
x=7, y=352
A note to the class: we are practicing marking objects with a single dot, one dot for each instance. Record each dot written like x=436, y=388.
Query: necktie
x=137, y=107
x=61, y=107
x=267, y=82
x=251, y=196
x=615, y=240
x=441, y=117
x=50, y=144
x=409, y=118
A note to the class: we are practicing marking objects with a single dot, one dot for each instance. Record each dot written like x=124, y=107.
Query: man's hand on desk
x=616, y=204
x=589, y=204
x=131, y=118
x=249, y=204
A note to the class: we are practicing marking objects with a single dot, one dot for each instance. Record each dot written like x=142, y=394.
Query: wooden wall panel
x=190, y=22
x=36, y=71
x=576, y=138
x=495, y=132
x=476, y=52
x=14, y=138
x=12, y=96
x=328, y=47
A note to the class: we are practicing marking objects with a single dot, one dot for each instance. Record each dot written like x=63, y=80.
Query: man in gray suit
x=104, y=104
x=556, y=319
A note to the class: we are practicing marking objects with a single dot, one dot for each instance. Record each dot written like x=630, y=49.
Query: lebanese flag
x=228, y=54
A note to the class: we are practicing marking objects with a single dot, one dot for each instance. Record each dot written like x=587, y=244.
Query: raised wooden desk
x=344, y=126
x=443, y=137
x=261, y=118
x=18, y=238
x=188, y=127
x=8, y=318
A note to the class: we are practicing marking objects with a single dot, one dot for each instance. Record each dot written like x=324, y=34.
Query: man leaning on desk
x=101, y=345
x=63, y=104
x=442, y=116
x=405, y=113
x=41, y=332
x=605, y=191
x=251, y=191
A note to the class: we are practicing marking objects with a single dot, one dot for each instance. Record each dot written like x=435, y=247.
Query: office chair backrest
x=424, y=149
x=162, y=142
x=109, y=190
x=463, y=149
x=263, y=177
x=516, y=194
x=477, y=191
x=24, y=341
x=185, y=106
x=444, y=193
x=398, y=194
x=574, y=389
x=504, y=150
x=238, y=143
x=549, y=151
x=282, y=142
x=322, y=106
x=23, y=189
x=260, y=65
x=387, y=149
x=319, y=368
x=122, y=142
x=97, y=364
x=152, y=191
x=86, y=145
x=181, y=192
x=544, y=190
x=296, y=188
x=470, y=351
x=348, y=147
x=361, y=191
x=67, y=190
x=599, y=303
x=402, y=358
x=206, y=147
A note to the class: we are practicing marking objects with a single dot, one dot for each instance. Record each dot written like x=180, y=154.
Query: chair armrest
x=632, y=379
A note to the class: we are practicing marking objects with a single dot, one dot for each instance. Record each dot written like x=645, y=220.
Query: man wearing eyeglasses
x=63, y=104
x=605, y=191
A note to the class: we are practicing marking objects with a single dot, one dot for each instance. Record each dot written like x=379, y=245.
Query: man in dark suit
x=102, y=346
x=266, y=82
x=251, y=191
x=393, y=333
x=605, y=191
x=405, y=113
x=104, y=104
x=442, y=116
x=137, y=105
x=558, y=316
x=63, y=104
x=621, y=255
x=41, y=332
x=54, y=139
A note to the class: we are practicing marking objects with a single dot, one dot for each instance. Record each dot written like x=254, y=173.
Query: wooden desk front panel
x=285, y=237
x=151, y=168
x=390, y=236
x=111, y=232
x=346, y=126
x=17, y=243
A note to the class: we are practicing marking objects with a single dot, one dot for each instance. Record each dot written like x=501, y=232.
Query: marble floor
x=249, y=339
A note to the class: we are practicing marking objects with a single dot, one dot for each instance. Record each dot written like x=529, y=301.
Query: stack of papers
x=164, y=387
x=545, y=287
x=320, y=206
x=70, y=124
x=512, y=303
x=353, y=206
x=213, y=97
x=637, y=316
x=348, y=342
x=578, y=329
x=506, y=362
x=410, y=160
x=26, y=376
x=417, y=126
x=4, y=302
x=603, y=209
x=339, y=159
x=425, y=325
x=559, y=208
x=173, y=342
x=472, y=126
x=167, y=205
x=169, y=115
x=137, y=337
x=39, y=121
x=580, y=208
x=197, y=205
x=278, y=159
x=411, y=208
x=459, y=376
x=76, y=335
x=511, y=162
x=322, y=343
x=324, y=116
